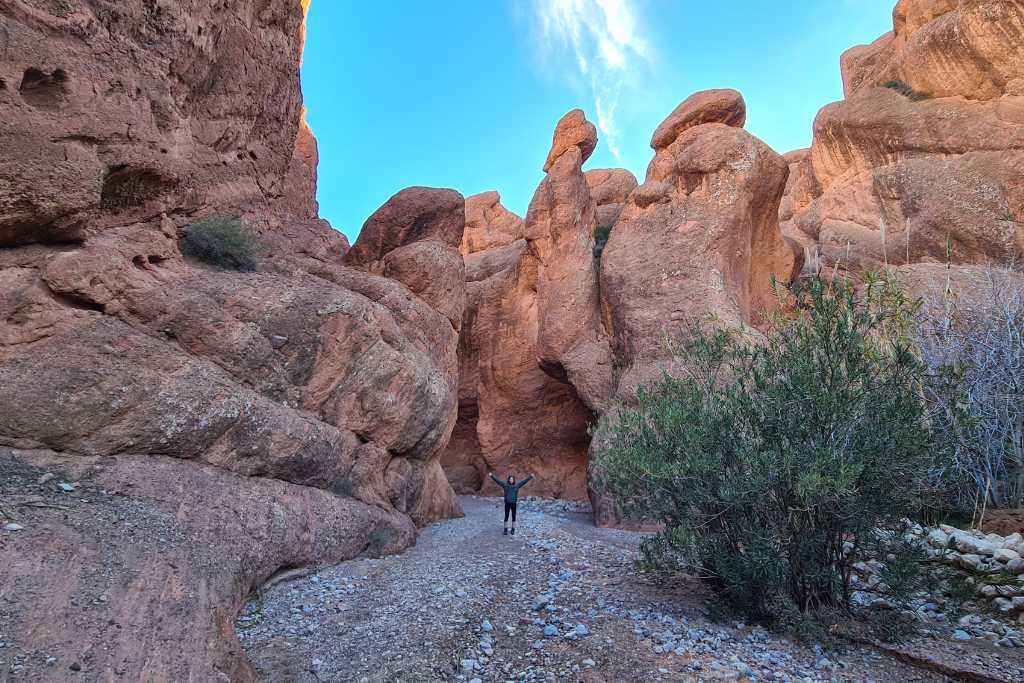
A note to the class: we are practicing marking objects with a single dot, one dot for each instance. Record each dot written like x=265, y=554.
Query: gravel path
x=560, y=601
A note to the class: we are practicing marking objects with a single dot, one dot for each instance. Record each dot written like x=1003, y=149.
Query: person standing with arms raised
x=511, y=489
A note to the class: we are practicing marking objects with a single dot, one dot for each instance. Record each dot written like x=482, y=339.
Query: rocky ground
x=560, y=601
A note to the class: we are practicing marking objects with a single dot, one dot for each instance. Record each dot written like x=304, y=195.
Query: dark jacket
x=511, y=490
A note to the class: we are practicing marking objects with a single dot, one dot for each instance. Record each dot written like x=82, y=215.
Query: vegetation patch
x=222, y=241
x=904, y=89
x=980, y=345
x=779, y=466
x=601, y=235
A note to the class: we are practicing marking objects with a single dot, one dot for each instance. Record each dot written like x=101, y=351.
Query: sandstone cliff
x=233, y=424
x=557, y=331
x=923, y=160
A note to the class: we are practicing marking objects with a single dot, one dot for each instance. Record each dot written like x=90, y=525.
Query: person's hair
x=511, y=479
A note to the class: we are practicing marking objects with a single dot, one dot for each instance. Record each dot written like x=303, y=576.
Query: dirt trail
x=560, y=601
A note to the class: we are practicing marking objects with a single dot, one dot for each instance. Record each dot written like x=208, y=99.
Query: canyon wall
x=560, y=329
x=922, y=162
x=918, y=168
x=172, y=434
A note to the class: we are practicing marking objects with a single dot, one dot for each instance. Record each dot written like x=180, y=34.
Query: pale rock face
x=1005, y=555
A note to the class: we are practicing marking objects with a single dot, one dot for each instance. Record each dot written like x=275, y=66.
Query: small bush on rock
x=222, y=241
x=902, y=88
x=777, y=465
x=601, y=235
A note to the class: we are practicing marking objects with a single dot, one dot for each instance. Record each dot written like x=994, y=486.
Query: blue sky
x=466, y=93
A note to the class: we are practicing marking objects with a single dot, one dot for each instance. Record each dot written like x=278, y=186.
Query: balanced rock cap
x=573, y=130
x=707, y=106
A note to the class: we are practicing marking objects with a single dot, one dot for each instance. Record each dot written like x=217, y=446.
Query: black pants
x=512, y=507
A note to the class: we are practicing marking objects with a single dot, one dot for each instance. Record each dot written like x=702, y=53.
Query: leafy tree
x=778, y=463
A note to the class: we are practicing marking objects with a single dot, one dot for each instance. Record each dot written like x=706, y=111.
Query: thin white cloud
x=599, y=41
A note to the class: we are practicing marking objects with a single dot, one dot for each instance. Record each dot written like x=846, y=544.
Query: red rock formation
x=535, y=361
x=260, y=420
x=488, y=224
x=699, y=237
x=545, y=363
x=946, y=48
x=708, y=106
x=513, y=417
x=572, y=130
x=930, y=173
x=528, y=420
x=414, y=239
x=697, y=242
x=492, y=246
x=609, y=188
x=141, y=575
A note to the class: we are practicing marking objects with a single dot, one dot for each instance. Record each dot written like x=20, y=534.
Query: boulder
x=179, y=543
x=919, y=163
x=609, y=188
x=945, y=48
x=489, y=224
x=699, y=238
x=573, y=130
x=723, y=106
x=697, y=243
x=1005, y=555
x=415, y=214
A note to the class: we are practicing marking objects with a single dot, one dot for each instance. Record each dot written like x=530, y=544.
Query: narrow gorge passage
x=560, y=601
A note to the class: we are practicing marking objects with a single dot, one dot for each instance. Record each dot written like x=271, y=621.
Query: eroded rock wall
x=535, y=359
x=315, y=393
x=923, y=160
x=696, y=244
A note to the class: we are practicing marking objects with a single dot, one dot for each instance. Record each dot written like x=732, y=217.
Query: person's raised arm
x=497, y=481
x=524, y=482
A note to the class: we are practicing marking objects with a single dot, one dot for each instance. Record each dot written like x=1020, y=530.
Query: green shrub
x=601, y=235
x=222, y=241
x=902, y=88
x=776, y=465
